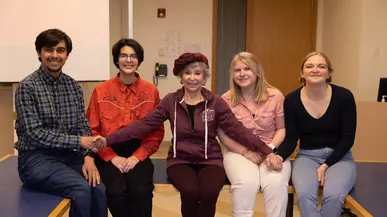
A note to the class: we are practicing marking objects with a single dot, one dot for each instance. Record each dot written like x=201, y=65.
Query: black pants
x=128, y=194
x=199, y=187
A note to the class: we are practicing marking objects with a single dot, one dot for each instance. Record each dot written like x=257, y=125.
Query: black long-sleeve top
x=335, y=129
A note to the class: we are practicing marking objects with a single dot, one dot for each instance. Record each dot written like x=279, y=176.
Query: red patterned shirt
x=114, y=105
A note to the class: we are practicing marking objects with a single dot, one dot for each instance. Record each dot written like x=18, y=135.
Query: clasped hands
x=272, y=161
x=124, y=164
x=94, y=144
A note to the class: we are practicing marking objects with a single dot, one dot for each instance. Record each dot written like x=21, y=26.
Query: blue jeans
x=339, y=180
x=59, y=172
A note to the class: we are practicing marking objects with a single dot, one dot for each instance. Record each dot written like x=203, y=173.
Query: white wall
x=192, y=19
x=373, y=48
x=353, y=34
x=86, y=22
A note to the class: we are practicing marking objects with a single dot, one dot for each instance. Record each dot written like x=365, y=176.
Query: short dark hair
x=116, y=50
x=50, y=38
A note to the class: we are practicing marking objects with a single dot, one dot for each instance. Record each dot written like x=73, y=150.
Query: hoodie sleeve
x=235, y=129
x=142, y=126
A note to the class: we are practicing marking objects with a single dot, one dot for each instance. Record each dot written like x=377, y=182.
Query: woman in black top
x=323, y=117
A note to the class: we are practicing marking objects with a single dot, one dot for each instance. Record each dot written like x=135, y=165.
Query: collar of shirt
x=124, y=87
x=47, y=76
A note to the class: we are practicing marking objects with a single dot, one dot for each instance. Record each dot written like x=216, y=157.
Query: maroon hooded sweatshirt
x=197, y=145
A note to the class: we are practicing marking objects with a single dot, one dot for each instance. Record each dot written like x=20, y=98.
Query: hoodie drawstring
x=174, y=132
x=206, y=130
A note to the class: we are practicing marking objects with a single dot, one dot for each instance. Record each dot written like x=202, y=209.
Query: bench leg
x=289, y=210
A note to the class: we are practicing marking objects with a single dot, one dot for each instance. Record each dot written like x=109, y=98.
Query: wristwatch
x=272, y=147
x=89, y=153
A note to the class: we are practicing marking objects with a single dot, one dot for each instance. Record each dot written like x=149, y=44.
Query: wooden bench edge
x=226, y=187
x=355, y=207
x=61, y=209
x=6, y=156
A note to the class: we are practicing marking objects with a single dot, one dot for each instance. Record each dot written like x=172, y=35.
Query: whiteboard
x=86, y=22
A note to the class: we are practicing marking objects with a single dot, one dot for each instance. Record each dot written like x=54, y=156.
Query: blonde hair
x=330, y=69
x=261, y=85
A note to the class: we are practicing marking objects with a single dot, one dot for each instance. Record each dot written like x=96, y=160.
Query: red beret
x=187, y=58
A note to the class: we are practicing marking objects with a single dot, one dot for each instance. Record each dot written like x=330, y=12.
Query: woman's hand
x=119, y=162
x=274, y=162
x=253, y=157
x=131, y=162
x=321, y=173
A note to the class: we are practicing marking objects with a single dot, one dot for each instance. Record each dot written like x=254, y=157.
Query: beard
x=54, y=69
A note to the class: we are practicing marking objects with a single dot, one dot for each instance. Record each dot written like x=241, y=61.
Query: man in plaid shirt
x=53, y=132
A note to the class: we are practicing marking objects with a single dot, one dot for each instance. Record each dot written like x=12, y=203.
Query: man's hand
x=93, y=143
x=131, y=162
x=274, y=162
x=253, y=157
x=90, y=171
x=321, y=173
x=120, y=163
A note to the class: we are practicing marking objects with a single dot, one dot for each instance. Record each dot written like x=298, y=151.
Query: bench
x=18, y=201
x=359, y=192
x=160, y=179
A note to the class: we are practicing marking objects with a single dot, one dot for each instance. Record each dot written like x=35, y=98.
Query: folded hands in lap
x=125, y=164
x=274, y=162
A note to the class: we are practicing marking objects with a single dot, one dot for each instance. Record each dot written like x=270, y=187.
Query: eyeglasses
x=125, y=56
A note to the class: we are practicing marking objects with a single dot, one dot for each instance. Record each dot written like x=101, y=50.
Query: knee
x=190, y=194
x=250, y=186
x=142, y=192
x=276, y=184
x=208, y=195
x=116, y=193
x=334, y=196
x=303, y=195
x=99, y=190
x=82, y=191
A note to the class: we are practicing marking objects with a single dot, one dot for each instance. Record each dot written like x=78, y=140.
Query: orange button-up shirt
x=114, y=105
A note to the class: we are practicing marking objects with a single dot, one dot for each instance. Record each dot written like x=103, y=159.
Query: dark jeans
x=59, y=172
x=199, y=187
x=129, y=194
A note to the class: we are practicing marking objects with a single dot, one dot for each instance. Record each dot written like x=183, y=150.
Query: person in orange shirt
x=125, y=167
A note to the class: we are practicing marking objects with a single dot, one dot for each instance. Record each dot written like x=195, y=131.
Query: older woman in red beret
x=194, y=163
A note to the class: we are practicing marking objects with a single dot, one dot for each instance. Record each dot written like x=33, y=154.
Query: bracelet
x=272, y=147
x=89, y=153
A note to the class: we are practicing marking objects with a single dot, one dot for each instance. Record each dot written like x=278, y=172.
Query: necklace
x=248, y=100
x=320, y=101
x=253, y=110
x=194, y=100
x=197, y=99
x=323, y=99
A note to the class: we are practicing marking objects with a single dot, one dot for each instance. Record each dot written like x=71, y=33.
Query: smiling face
x=315, y=70
x=244, y=76
x=127, y=60
x=193, y=78
x=54, y=58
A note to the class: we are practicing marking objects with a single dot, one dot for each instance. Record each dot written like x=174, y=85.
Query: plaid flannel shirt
x=50, y=113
